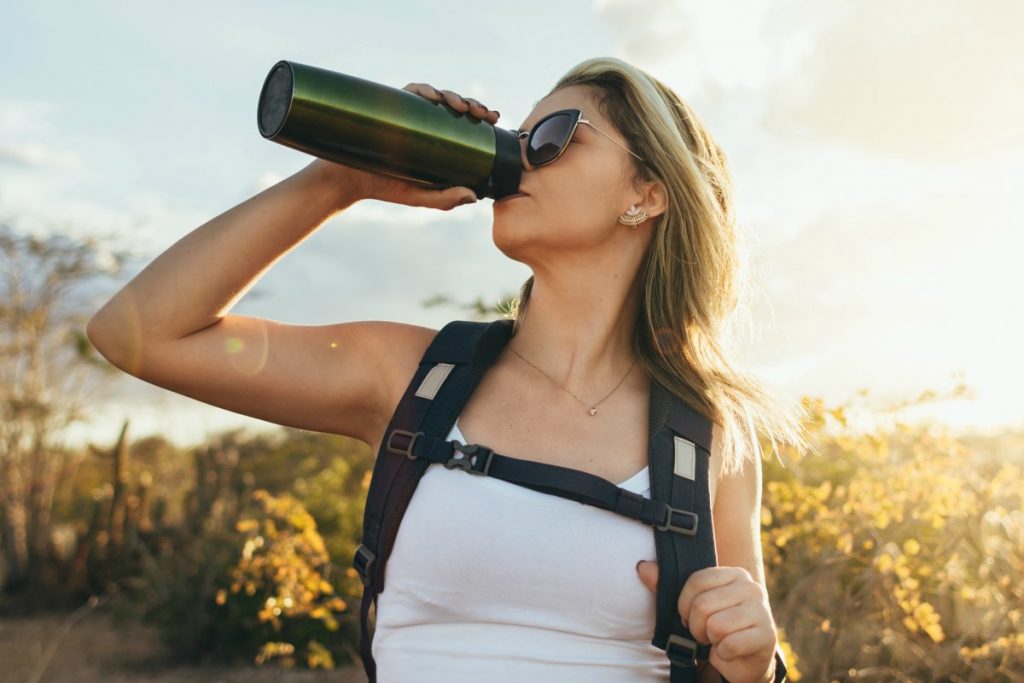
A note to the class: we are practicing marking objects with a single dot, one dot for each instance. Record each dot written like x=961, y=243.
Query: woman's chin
x=511, y=238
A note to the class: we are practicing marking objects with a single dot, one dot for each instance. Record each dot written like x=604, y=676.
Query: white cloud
x=27, y=131
x=21, y=118
x=701, y=47
x=38, y=155
x=935, y=86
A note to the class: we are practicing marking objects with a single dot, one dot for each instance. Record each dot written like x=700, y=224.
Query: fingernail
x=467, y=200
x=638, y=565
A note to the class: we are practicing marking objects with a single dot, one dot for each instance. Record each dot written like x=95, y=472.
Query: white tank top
x=491, y=581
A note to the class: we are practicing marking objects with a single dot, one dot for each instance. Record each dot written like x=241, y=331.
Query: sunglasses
x=549, y=137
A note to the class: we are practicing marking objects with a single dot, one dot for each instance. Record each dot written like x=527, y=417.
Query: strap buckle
x=407, y=451
x=364, y=563
x=469, y=456
x=668, y=525
x=681, y=651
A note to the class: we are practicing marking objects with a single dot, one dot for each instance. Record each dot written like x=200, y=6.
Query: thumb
x=451, y=197
x=648, y=572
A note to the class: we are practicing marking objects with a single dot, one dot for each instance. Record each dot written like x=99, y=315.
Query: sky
x=876, y=150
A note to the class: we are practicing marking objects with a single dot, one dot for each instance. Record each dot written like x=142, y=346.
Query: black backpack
x=678, y=456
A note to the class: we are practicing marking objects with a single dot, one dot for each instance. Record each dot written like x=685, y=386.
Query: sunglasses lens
x=548, y=139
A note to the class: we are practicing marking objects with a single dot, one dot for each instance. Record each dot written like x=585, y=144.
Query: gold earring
x=633, y=216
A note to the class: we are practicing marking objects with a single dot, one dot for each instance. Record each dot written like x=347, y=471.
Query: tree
x=45, y=358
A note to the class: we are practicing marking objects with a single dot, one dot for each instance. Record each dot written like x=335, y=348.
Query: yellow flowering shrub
x=282, y=564
x=898, y=549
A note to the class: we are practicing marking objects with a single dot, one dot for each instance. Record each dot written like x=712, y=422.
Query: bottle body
x=386, y=130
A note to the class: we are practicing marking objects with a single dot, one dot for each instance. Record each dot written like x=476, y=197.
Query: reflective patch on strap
x=686, y=458
x=433, y=381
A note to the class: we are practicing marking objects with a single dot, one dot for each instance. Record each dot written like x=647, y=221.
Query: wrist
x=339, y=184
x=774, y=674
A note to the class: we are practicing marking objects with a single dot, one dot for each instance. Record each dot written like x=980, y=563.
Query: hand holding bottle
x=371, y=185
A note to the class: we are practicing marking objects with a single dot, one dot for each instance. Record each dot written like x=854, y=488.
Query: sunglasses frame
x=577, y=119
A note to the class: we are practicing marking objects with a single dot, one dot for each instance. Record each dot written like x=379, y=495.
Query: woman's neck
x=579, y=333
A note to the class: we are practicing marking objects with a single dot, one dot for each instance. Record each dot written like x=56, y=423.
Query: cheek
x=588, y=202
x=576, y=203
x=587, y=188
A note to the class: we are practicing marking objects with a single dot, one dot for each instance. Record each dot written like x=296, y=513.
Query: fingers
x=707, y=579
x=746, y=642
x=446, y=199
x=480, y=111
x=705, y=621
x=466, y=105
x=648, y=572
x=454, y=196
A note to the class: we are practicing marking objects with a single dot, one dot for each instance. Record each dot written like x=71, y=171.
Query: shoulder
x=740, y=481
x=405, y=347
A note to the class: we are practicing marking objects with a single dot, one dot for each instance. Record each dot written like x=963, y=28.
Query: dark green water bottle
x=386, y=130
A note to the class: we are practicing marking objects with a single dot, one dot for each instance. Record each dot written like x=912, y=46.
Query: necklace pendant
x=592, y=411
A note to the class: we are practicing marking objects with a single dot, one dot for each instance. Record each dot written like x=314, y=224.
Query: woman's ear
x=653, y=198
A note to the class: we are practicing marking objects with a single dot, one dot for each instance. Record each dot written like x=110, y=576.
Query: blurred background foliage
x=894, y=552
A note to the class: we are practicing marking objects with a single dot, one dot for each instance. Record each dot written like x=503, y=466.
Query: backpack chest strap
x=563, y=482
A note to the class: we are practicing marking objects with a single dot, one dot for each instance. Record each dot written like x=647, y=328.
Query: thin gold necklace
x=592, y=410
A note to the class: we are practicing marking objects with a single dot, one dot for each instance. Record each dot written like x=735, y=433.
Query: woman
x=629, y=234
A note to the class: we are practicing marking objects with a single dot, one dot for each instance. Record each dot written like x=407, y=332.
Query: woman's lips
x=511, y=196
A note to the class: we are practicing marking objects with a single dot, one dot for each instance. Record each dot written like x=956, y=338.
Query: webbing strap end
x=365, y=563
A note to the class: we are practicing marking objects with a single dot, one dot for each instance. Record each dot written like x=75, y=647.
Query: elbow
x=98, y=332
x=112, y=339
x=92, y=329
x=100, y=340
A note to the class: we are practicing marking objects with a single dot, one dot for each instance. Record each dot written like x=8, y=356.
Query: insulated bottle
x=386, y=130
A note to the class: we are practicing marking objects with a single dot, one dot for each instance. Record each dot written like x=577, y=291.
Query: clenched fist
x=725, y=608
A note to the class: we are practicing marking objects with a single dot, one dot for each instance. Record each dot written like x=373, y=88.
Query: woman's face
x=575, y=201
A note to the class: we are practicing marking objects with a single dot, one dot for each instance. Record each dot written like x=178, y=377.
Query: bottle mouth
x=507, y=170
x=275, y=99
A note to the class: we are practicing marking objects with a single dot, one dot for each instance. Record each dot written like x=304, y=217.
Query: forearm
x=200, y=277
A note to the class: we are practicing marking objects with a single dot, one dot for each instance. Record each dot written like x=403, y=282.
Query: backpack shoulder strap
x=449, y=371
x=679, y=458
x=680, y=474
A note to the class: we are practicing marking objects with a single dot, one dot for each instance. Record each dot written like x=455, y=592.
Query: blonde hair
x=690, y=277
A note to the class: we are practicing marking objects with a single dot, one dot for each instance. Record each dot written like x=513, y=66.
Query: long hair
x=691, y=276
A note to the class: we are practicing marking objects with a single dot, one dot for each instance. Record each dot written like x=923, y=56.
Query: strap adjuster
x=469, y=457
x=681, y=651
x=364, y=562
x=668, y=525
x=407, y=451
